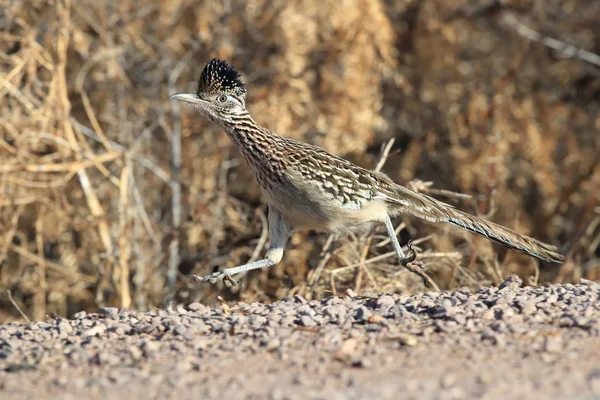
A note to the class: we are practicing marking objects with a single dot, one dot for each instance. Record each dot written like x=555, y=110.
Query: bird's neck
x=252, y=140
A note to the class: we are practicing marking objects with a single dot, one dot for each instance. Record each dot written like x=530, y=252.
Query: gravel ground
x=498, y=343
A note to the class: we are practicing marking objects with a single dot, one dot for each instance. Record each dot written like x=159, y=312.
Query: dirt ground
x=497, y=343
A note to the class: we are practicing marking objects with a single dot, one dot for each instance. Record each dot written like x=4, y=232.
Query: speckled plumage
x=306, y=187
x=219, y=76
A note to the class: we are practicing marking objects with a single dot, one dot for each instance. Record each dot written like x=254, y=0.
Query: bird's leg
x=279, y=232
x=407, y=262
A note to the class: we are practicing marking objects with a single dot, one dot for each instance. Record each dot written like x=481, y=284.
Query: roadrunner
x=308, y=188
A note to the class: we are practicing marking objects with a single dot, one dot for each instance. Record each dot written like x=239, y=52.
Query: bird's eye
x=222, y=98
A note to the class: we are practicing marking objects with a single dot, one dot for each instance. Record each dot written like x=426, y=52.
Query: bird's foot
x=411, y=263
x=411, y=258
x=215, y=277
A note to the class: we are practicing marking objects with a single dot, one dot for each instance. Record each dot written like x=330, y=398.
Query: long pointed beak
x=186, y=97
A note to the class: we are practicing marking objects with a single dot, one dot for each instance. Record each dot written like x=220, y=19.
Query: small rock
x=198, y=307
x=464, y=290
x=106, y=358
x=333, y=300
x=86, y=323
x=64, y=328
x=507, y=298
x=5, y=349
x=427, y=303
x=135, y=352
x=398, y=311
x=447, y=303
x=385, y=301
x=180, y=330
x=144, y=328
x=488, y=315
x=405, y=339
x=94, y=331
x=122, y=328
x=552, y=299
x=362, y=313
x=305, y=309
x=306, y=320
x=273, y=344
x=300, y=299
x=287, y=320
x=512, y=282
x=171, y=321
x=287, y=300
x=494, y=338
x=439, y=312
x=570, y=320
x=362, y=363
x=335, y=312
x=503, y=312
x=108, y=311
x=553, y=344
x=256, y=321
x=347, y=349
x=149, y=347
x=375, y=319
x=591, y=284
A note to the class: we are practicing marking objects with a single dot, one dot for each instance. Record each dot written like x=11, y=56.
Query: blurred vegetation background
x=96, y=209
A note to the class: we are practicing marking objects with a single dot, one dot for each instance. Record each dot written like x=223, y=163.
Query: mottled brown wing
x=340, y=180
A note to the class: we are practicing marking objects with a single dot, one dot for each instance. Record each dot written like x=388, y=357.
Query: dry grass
x=94, y=211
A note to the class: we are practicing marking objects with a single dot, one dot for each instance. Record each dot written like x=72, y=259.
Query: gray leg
x=279, y=232
x=406, y=261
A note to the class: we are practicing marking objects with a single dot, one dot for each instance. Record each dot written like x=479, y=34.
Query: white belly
x=314, y=211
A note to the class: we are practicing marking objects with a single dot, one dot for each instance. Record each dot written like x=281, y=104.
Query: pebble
x=553, y=343
x=355, y=329
x=273, y=344
x=511, y=283
x=385, y=302
x=362, y=313
x=180, y=330
x=299, y=299
x=96, y=330
x=305, y=309
x=198, y=307
x=108, y=311
x=306, y=320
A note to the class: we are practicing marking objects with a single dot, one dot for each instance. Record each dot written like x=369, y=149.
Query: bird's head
x=220, y=93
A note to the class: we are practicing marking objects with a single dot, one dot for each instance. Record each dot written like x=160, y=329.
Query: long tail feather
x=405, y=201
x=505, y=236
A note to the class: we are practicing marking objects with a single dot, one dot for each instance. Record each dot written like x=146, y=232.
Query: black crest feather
x=218, y=76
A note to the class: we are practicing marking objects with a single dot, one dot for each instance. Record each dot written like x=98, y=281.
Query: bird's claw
x=230, y=282
x=410, y=259
x=416, y=267
x=215, y=277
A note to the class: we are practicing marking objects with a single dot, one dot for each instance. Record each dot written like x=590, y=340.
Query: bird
x=306, y=187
